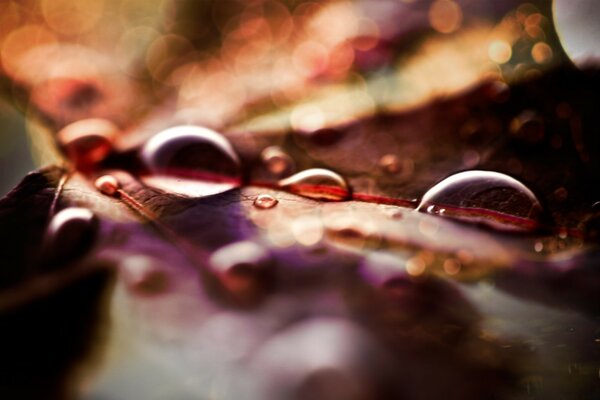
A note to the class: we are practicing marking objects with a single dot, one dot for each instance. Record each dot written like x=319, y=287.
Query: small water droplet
x=277, y=161
x=191, y=152
x=70, y=234
x=485, y=197
x=244, y=269
x=87, y=142
x=108, y=185
x=265, y=201
x=317, y=184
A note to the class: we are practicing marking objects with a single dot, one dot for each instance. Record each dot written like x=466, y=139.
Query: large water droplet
x=318, y=184
x=69, y=235
x=185, y=158
x=485, y=197
x=87, y=142
x=192, y=152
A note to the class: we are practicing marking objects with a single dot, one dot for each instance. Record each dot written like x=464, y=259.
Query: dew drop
x=317, y=184
x=265, y=201
x=191, y=152
x=277, y=161
x=108, y=185
x=87, y=142
x=70, y=234
x=485, y=197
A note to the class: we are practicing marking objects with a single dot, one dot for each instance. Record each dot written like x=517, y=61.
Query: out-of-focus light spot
x=334, y=23
x=445, y=16
x=131, y=47
x=525, y=10
x=19, y=42
x=307, y=230
x=164, y=51
x=499, y=51
x=72, y=17
x=577, y=26
x=415, y=266
x=451, y=266
x=367, y=36
x=10, y=17
x=541, y=53
x=310, y=58
x=535, y=32
x=340, y=59
x=307, y=118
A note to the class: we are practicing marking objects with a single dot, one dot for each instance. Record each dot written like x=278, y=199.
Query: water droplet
x=87, y=142
x=70, y=234
x=108, y=185
x=243, y=269
x=528, y=127
x=317, y=184
x=265, y=201
x=485, y=197
x=277, y=161
x=191, y=152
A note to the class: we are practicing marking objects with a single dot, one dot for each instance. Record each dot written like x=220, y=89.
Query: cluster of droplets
x=185, y=156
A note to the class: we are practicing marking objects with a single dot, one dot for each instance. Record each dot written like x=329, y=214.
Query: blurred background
x=225, y=63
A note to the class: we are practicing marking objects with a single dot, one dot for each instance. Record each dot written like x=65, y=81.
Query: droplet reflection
x=192, y=152
x=70, y=234
x=485, y=197
x=192, y=161
x=317, y=184
x=265, y=201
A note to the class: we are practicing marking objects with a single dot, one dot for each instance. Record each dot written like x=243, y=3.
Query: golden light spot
x=164, y=51
x=445, y=16
x=415, y=266
x=307, y=118
x=368, y=35
x=72, y=17
x=541, y=53
x=451, y=266
x=310, y=58
x=499, y=51
x=308, y=230
x=131, y=47
x=21, y=41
